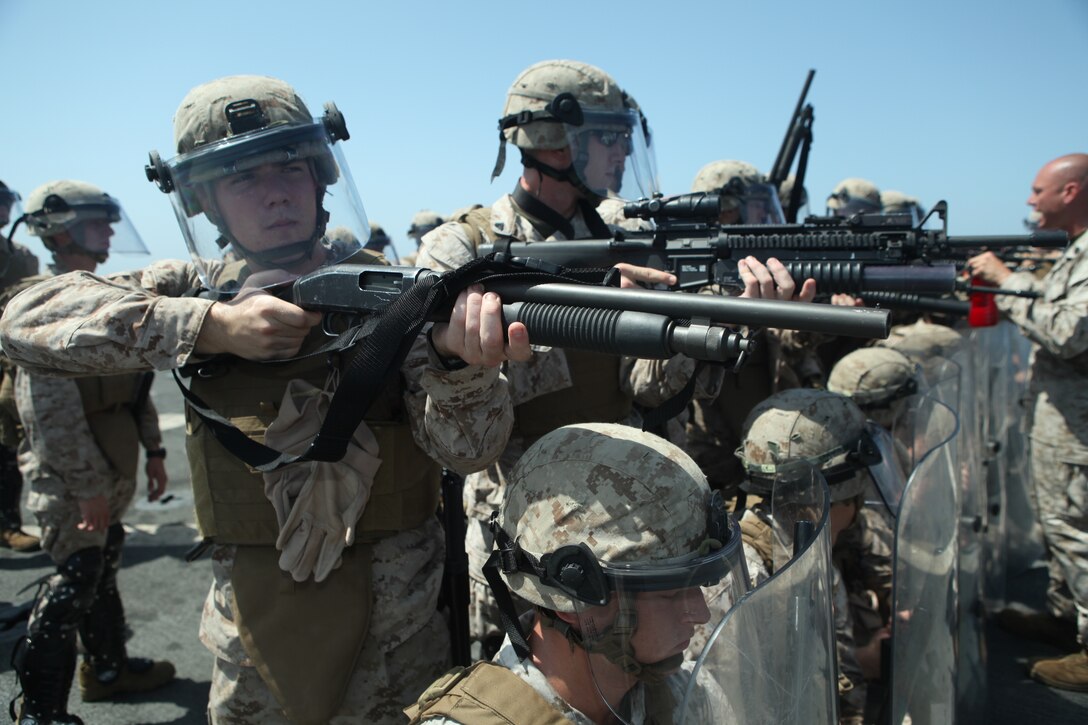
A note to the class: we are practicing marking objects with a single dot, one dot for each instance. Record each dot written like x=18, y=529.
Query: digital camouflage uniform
x=548, y=372
x=17, y=266
x=1057, y=325
x=63, y=460
x=144, y=320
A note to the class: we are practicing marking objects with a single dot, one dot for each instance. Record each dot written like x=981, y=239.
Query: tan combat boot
x=19, y=540
x=136, y=675
x=1065, y=673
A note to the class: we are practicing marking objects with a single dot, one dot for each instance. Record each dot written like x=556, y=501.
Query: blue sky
x=958, y=100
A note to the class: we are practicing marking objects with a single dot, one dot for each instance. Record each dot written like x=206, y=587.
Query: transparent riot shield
x=771, y=659
x=923, y=651
x=991, y=344
x=889, y=478
x=973, y=478
x=1023, y=539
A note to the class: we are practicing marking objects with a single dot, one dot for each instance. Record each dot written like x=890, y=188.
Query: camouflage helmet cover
x=202, y=120
x=897, y=202
x=717, y=174
x=630, y=496
x=855, y=192
x=873, y=376
x=923, y=340
x=56, y=206
x=820, y=427
x=539, y=84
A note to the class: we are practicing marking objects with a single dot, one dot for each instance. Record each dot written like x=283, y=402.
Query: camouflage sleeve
x=147, y=424
x=461, y=418
x=58, y=435
x=447, y=247
x=652, y=382
x=79, y=323
x=1060, y=326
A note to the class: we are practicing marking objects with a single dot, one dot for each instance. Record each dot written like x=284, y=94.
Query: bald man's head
x=1060, y=194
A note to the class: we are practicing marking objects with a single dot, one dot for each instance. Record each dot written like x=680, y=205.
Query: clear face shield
x=771, y=659
x=845, y=205
x=888, y=475
x=753, y=203
x=636, y=639
x=610, y=154
x=383, y=245
x=262, y=207
x=631, y=621
x=97, y=228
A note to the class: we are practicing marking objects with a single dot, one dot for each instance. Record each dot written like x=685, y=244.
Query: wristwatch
x=157, y=453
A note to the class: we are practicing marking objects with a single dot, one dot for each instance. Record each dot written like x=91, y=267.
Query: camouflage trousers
x=1060, y=490
x=58, y=516
x=405, y=650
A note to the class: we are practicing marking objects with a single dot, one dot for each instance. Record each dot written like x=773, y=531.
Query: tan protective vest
x=484, y=694
x=230, y=502
x=110, y=405
x=594, y=397
x=231, y=506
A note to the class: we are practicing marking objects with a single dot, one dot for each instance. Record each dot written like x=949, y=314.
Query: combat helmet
x=424, y=221
x=226, y=132
x=556, y=104
x=69, y=212
x=922, y=340
x=874, y=377
x=854, y=196
x=824, y=429
x=746, y=196
x=595, y=515
x=896, y=202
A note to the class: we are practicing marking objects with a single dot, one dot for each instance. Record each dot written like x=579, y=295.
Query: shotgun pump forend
x=641, y=323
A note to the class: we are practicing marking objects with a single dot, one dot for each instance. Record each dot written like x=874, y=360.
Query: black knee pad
x=68, y=594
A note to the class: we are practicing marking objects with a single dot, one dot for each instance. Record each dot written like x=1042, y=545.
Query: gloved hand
x=317, y=503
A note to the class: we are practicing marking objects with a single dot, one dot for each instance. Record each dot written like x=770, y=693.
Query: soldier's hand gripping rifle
x=858, y=254
x=393, y=304
x=641, y=323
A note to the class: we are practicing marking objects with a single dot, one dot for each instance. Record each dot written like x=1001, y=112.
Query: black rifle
x=798, y=136
x=387, y=307
x=858, y=254
x=642, y=323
